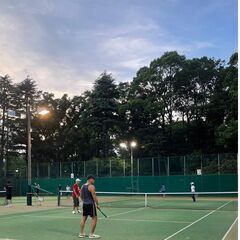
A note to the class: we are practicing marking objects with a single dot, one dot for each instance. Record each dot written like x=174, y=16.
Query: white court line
x=46, y=216
x=115, y=219
x=7, y=239
x=229, y=229
x=118, y=214
x=179, y=231
x=142, y=220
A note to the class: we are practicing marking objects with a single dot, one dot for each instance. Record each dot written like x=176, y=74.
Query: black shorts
x=75, y=201
x=9, y=196
x=89, y=210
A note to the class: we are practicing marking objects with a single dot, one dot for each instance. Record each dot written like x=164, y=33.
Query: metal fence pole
x=84, y=169
x=184, y=165
x=60, y=169
x=96, y=167
x=218, y=159
x=49, y=169
x=152, y=166
x=138, y=170
x=159, y=167
x=72, y=167
x=110, y=167
x=124, y=167
x=37, y=169
x=168, y=168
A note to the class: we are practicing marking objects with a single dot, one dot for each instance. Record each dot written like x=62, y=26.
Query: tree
x=102, y=114
x=6, y=101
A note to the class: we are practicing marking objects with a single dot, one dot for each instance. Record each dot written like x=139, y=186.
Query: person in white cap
x=76, y=196
x=193, y=191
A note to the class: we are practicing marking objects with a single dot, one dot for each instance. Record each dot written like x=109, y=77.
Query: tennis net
x=227, y=201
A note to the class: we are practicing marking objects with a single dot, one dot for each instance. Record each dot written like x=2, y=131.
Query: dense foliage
x=174, y=106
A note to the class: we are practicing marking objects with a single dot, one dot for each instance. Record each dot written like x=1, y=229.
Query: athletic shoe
x=79, y=211
x=82, y=235
x=94, y=236
x=73, y=212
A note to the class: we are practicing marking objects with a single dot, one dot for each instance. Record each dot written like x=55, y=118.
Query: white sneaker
x=94, y=236
x=82, y=235
x=73, y=212
x=79, y=211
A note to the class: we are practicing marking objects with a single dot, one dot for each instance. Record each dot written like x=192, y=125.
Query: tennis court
x=174, y=217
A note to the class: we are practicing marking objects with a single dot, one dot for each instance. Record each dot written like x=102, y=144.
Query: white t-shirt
x=192, y=188
x=68, y=189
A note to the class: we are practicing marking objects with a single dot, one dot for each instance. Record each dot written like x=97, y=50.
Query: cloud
x=65, y=45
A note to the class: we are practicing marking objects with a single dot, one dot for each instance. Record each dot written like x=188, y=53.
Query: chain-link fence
x=155, y=166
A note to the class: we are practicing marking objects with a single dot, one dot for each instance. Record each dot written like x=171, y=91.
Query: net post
x=218, y=163
x=124, y=167
x=145, y=200
x=59, y=195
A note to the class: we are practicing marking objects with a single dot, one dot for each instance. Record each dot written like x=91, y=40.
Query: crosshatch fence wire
x=179, y=200
x=2, y=197
x=154, y=166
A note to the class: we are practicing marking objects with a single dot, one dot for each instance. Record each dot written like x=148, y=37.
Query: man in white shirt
x=193, y=191
x=68, y=190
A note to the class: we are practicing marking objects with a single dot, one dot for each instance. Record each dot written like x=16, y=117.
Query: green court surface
x=58, y=223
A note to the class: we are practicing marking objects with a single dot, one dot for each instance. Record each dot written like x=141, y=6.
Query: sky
x=64, y=45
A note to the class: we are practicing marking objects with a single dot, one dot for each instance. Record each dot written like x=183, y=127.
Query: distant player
x=163, y=190
x=193, y=191
x=90, y=203
x=37, y=189
x=8, y=189
x=76, y=196
x=68, y=190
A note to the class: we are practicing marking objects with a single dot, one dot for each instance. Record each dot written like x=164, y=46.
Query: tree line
x=174, y=106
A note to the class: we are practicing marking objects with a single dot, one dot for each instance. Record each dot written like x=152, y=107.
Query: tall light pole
x=131, y=145
x=29, y=154
x=29, y=151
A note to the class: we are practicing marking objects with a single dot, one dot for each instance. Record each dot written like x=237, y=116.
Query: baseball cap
x=78, y=180
x=90, y=176
x=192, y=183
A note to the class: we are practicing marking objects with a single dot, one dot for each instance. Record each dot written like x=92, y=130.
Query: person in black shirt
x=8, y=189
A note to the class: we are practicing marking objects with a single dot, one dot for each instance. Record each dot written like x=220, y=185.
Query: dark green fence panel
x=177, y=183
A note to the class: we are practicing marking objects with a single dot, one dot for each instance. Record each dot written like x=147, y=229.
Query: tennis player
x=193, y=191
x=37, y=189
x=90, y=203
x=68, y=189
x=76, y=196
x=8, y=189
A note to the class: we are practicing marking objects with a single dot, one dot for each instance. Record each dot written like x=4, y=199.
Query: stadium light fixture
x=123, y=145
x=43, y=112
x=133, y=144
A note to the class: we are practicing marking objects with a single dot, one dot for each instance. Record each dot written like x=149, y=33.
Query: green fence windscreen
x=176, y=183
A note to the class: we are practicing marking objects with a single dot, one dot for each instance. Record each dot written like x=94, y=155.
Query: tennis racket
x=99, y=209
